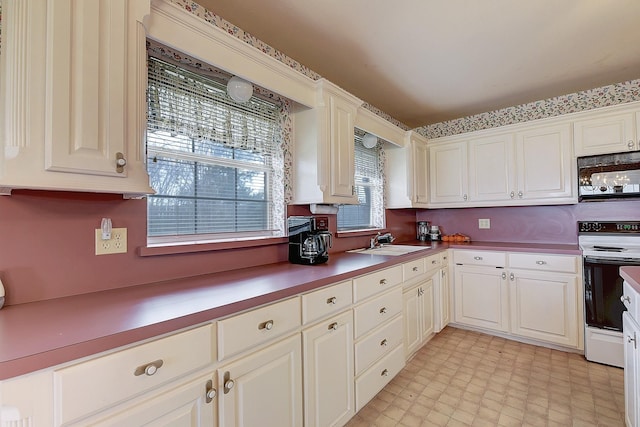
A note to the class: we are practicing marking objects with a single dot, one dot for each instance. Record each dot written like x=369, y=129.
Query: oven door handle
x=612, y=261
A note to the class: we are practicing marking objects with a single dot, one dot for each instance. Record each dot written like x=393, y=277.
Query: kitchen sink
x=393, y=250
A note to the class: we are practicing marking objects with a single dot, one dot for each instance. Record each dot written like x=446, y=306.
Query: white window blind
x=210, y=159
x=369, y=213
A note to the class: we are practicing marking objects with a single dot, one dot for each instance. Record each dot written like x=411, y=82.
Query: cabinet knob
x=383, y=343
x=331, y=300
x=512, y=194
x=384, y=373
x=211, y=392
x=520, y=194
x=631, y=145
x=149, y=369
x=477, y=258
x=333, y=326
x=415, y=269
x=541, y=262
x=383, y=281
x=512, y=277
x=504, y=275
x=632, y=339
x=434, y=261
x=626, y=299
x=268, y=325
x=121, y=162
x=229, y=384
x=383, y=310
x=465, y=197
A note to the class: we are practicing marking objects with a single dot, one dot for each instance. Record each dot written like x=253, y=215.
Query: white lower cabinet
x=418, y=315
x=377, y=376
x=482, y=297
x=631, y=370
x=442, y=295
x=263, y=388
x=329, y=371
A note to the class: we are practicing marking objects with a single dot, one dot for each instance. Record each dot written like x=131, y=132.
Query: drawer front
x=377, y=311
x=631, y=300
x=378, y=343
x=545, y=262
x=444, y=258
x=432, y=263
x=378, y=281
x=413, y=269
x=320, y=303
x=99, y=383
x=244, y=331
x=494, y=259
x=375, y=378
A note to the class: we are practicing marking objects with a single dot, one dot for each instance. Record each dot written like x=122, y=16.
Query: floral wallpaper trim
x=232, y=30
x=604, y=96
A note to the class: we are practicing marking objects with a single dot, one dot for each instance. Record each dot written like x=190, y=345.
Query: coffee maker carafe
x=422, y=230
x=309, y=239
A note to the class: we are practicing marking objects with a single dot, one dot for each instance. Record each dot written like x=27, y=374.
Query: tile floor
x=465, y=378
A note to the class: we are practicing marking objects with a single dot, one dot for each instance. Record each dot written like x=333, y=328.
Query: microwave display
x=609, y=176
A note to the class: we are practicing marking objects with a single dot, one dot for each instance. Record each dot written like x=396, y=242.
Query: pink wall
x=543, y=224
x=47, y=240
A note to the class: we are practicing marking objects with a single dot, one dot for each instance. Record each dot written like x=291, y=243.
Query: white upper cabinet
x=525, y=166
x=448, y=174
x=79, y=89
x=407, y=173
x=609, y=133
x=324, y=148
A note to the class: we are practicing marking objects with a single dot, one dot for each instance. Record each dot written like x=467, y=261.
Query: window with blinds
x=369, y=213
x=210, y=160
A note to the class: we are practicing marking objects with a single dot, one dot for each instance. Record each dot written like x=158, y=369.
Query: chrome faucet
x=380, y=239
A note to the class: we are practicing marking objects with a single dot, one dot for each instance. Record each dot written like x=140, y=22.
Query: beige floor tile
x=465, y=378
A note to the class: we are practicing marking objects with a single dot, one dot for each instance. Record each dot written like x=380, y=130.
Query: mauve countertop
x=42, y=334
x=632, y=276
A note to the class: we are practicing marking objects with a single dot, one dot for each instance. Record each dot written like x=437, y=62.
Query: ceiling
x=425, y=61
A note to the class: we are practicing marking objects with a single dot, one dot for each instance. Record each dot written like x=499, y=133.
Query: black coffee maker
x=309, y=239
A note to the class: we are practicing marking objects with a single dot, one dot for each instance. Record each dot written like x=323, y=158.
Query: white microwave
x=609, y=176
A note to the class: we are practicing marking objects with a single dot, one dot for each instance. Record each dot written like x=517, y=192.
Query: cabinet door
x=188, y=405
x=545, y=165
x=631, y=370
x=492, y=168
x=426, y=308
x=264, y=388
x=448, y=173
x=86, y=86
x=328, y=372
x=441, y=300
x=420, y=175
x=342, y=147
x=411, y=300
x=544, y=306
x=608, y=134
x=481, y=297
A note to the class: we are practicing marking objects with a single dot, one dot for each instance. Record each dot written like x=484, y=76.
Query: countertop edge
x=632, y=276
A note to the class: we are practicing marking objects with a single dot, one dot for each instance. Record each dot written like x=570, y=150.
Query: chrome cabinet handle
x=383, y=343
x=477, y=258
x=512, y=194
x=121, y=162
x=631, y=145
x=384, y=373
x=333, y=326
x=465, y=197
x=512, y=277
x=541, y=262
x=383, y=310
x=268, y=325
x=520, y=194
x=383, y=281
x=626, y=299
x=434, y=261
x=504, y=275
x=332, y=300
x=632, y=340
x=415, y=269
x=210, y=392
x=149, y=369
x=228, y=385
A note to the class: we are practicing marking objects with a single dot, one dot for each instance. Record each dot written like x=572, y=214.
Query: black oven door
x=602, y=292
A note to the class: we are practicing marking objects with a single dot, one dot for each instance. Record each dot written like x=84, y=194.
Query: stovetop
x=610, y=239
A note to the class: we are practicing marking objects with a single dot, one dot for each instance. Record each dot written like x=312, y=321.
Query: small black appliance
x=309, y=239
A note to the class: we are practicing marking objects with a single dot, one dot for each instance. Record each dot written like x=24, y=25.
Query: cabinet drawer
x=244, y=331
x=432, y=263
x=545, y=262
x=494, y=259
x=377, y=311
x=317, y=304
x=631, y=300
x=413, y=269
x=96, y=384
x=378, y=343
x=375, y=378
x=378, y=281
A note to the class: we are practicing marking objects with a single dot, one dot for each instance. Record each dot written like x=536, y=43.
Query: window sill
x=358, y=233
x=179, y=248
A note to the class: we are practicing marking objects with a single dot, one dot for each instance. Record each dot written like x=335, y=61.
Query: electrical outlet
x=484, y=223
x=116, y=245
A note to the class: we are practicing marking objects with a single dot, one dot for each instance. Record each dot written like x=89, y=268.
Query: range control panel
x=608, y=227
